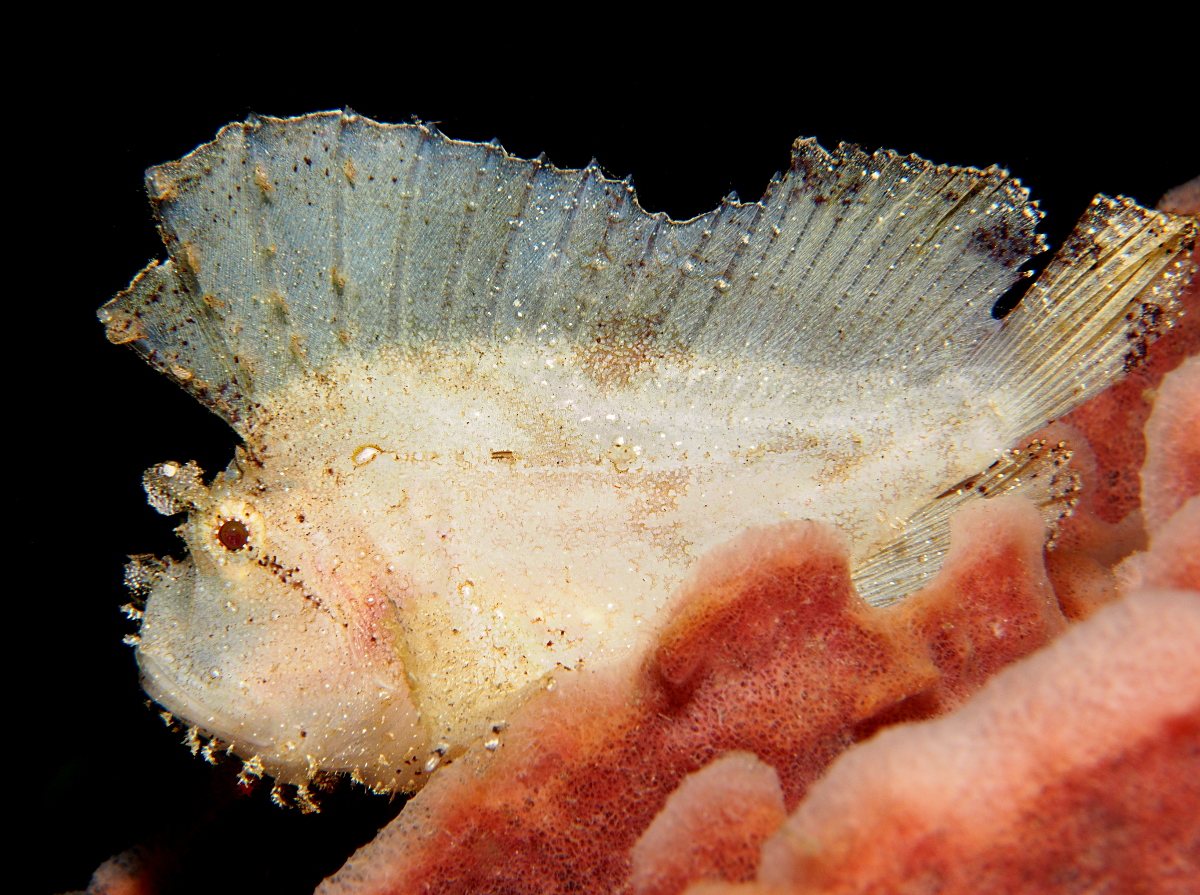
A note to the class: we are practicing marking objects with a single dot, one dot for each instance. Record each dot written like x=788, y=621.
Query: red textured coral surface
x=1174, y=557
x=1172, y=471
x=1077, y=770
x=990, y=605
x=1113, y=422
x=1087, y=549
x=769, y=652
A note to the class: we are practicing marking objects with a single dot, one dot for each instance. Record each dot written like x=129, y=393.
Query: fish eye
x=233, y=534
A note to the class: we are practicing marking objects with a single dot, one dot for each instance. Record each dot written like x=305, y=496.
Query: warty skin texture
x=465, y=526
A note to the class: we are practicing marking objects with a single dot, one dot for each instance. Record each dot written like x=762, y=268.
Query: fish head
x=255, y=640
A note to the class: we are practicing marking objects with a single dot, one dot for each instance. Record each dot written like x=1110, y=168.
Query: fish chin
x=276, y=678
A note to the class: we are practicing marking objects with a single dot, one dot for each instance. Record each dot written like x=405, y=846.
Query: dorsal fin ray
x=293, y=240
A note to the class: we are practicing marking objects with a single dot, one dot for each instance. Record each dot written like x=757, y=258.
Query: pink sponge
x=1172, y=471
x=711, y=827
x=1076, y=770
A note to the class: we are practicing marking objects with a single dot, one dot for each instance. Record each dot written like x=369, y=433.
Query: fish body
x=493, y=412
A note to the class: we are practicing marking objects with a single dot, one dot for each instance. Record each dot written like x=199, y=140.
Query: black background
x=97, y=771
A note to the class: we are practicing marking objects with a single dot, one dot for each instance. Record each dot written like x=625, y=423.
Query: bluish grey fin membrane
x=293, y=241
x=180, y=335
x=908, y=562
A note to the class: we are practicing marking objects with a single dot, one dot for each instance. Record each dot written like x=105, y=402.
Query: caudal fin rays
x=1109, y=292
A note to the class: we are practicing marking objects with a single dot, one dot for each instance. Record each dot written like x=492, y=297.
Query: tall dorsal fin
x=294, y=240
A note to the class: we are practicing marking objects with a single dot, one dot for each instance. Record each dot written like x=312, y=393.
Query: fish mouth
x=161, y=683
x=243, y=661
x=186, y=682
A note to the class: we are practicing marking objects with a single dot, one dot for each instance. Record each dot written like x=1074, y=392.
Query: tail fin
x=1088, y=319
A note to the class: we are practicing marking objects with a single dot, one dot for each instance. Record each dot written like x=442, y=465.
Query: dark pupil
x=233, y=535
